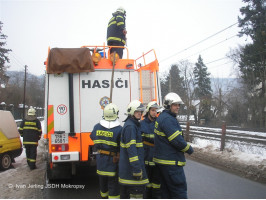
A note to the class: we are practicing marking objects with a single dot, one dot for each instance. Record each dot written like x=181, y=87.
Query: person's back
x=31, y=127
x=116, y=31
x=106, y=138
x=31, y=131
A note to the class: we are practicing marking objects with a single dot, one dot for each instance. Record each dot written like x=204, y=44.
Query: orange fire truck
x=79, y=83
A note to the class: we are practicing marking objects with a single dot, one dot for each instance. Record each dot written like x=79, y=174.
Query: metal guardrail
x=236, y=135
x=244, y=141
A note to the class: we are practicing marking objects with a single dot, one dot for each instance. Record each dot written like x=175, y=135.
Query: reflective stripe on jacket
x=115, y=29
x=107, y=140
x=170, y=144
x=131, y=154
x=31, y=131
x=147, y=133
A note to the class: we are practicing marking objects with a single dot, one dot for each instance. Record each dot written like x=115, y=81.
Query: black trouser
x=31, y=153
x=132, y=192
x=153, y=188
x=109, y=187
x=119, y=51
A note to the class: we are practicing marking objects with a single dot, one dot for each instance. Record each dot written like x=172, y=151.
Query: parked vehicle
x=10, y=143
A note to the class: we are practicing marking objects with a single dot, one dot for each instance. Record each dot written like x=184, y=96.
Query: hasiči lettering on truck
x=78, y=88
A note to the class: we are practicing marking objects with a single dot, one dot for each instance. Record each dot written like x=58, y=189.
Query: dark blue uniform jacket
x=131, y=154
x=108, y=140
x=115, y=29
x=170, y=145
x=147, y=132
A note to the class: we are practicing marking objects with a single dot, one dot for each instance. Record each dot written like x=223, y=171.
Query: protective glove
x=116, y=158
x=138, y=176
x=190, y=150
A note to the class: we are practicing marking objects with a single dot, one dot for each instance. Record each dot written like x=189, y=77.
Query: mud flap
x=59, y=171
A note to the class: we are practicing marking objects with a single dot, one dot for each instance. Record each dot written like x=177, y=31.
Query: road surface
x=204, y=182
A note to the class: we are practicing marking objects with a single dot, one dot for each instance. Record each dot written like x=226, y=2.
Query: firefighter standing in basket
x=106, y=137
x=116, y=31
x=170, y=147
x=132, y=174
x=147, y=132
x=31, y=131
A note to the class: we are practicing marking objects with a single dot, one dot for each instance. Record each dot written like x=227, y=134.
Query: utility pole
x=24, y=97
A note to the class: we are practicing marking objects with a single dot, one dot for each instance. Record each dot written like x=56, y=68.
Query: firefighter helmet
x=152, y=104
x=110, y=112
x=171, y=98
x=31, y=111
x=133, y=106
x=121, y=10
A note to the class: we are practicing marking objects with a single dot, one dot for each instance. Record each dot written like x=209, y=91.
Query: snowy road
x=205, y=182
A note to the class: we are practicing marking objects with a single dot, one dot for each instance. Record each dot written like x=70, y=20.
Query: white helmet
x=133, y=106
x=121, y=10
x=171, y=98
x=152, y=104
x=31, y=111
x=110, y=112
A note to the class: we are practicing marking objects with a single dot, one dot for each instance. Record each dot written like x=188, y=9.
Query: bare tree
x=186, y=69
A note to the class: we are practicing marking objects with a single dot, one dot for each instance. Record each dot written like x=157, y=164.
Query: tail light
x=60, y=147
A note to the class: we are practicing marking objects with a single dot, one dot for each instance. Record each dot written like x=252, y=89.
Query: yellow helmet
x=31, y=111
x=110, y=112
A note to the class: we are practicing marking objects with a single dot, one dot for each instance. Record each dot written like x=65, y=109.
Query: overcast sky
x=167, y=26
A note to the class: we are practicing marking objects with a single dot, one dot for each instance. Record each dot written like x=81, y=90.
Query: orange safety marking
x=86, y=142
x=140, y=77
x=50, y=119
x=155, y=86
x=105, y=63
x=47, y=61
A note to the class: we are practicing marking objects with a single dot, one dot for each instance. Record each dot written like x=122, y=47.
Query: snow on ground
x=239, y=147
x=213, y=148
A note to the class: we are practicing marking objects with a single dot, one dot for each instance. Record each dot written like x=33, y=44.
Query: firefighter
x=106, y=137
x=116, y=31
x=147, y=132
x=170, y=147
x=132, y=174
x=31, y=131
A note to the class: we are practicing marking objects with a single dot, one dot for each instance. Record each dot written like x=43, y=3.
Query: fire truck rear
x=79, y=83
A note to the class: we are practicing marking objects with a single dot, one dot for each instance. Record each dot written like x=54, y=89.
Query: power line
x=222, y=64
x=227, y=57
x=17, y=61
x=211, y=46
x=216, y=60
x=198, y=42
